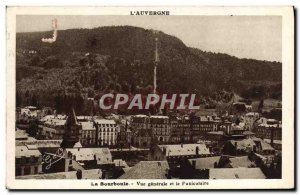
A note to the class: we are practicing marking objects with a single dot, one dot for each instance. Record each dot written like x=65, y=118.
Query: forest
x=86, y=63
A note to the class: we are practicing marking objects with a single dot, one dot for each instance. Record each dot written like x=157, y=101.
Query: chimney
x=197, y=150
x=272, y=136
x=97, y=133
x=235, y=147
x=164, y=151
x=194, y=164
x=79, y=174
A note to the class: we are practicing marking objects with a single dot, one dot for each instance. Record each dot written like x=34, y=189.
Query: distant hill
x=120, y=59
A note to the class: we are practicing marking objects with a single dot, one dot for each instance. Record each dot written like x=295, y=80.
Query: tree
x=33, y=101
x=18, y=99
x=237, y=121
x=261, y=105
x=33, y=128
x=35, y=61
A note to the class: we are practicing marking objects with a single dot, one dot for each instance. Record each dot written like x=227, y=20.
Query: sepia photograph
x=149, y=98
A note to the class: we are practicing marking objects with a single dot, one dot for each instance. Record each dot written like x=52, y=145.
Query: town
x=240, y=144
x=225, y=137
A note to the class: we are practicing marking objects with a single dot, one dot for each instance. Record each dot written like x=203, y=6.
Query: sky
x=256, y=37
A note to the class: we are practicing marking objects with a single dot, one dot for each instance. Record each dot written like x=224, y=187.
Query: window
x=36, y=170
x=18, y=171
x=18, y=160
x=26, y=170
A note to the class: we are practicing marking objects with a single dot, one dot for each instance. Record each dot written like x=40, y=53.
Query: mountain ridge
x=121, y=59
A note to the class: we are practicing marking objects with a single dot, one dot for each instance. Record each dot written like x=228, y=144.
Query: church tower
x=72, y=131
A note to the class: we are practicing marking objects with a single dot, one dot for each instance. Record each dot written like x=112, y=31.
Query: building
x=90, y=156
x=21, y=135
x=143, y=138
x=28, y=160
x=148, y=170
x=30, y=112
x=88, y=136
x=249, y=120
x=53, y=128
x=239, y=147
x=277, y=144
x=247, y=146
x=263, y=148
x=140, y=122
x=72, y=131
x=181, y=130
x=124, y=136
x=160, y=128
x=236, y=173
x=272, y=130
x=106, y=132
x=204, y=163
x=179, y=151
x=159, y=125
x=207, y=124
x=221, y=162
x=81, y=119
x=86, y=174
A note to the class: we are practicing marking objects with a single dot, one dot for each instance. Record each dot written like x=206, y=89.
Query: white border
x=287, y=180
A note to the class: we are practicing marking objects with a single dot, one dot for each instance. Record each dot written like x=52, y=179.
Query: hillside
x=120, y=59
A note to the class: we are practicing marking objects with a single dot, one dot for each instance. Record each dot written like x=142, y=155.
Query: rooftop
x=103, y=155
x=159, y=116
x=236, y=173
x=27, y=151
x=184, y=149
x=147, y=170
x=242, y=161
x=56, y=122
x=104, y=121
x=41, y=143
x=21, y=134
x=216, y=133
x=205, y=163
x=86, y=174
x=243, y=144
x=88, y=126
x=252, y=114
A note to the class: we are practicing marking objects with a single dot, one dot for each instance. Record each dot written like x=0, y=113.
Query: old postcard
x=165, y=98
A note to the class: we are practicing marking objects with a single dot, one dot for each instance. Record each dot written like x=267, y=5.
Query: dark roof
x=236, y=173
x=205, y=163
x=71, y=119
x=147, y=170
x=86, y=174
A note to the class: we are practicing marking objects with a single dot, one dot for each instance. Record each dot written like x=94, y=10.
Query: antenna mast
x=155, y=64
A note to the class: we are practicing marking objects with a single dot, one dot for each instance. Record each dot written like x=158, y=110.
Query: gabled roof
x=147, y=170
x=86, y=174
x=103, y=155
x=21, y=134
x=243, y=144
x=27, y=151
x=242, y=161
x=236, y=173
x=184, y=149
x=205, y=163
x=41, y=143
x=264, y=145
